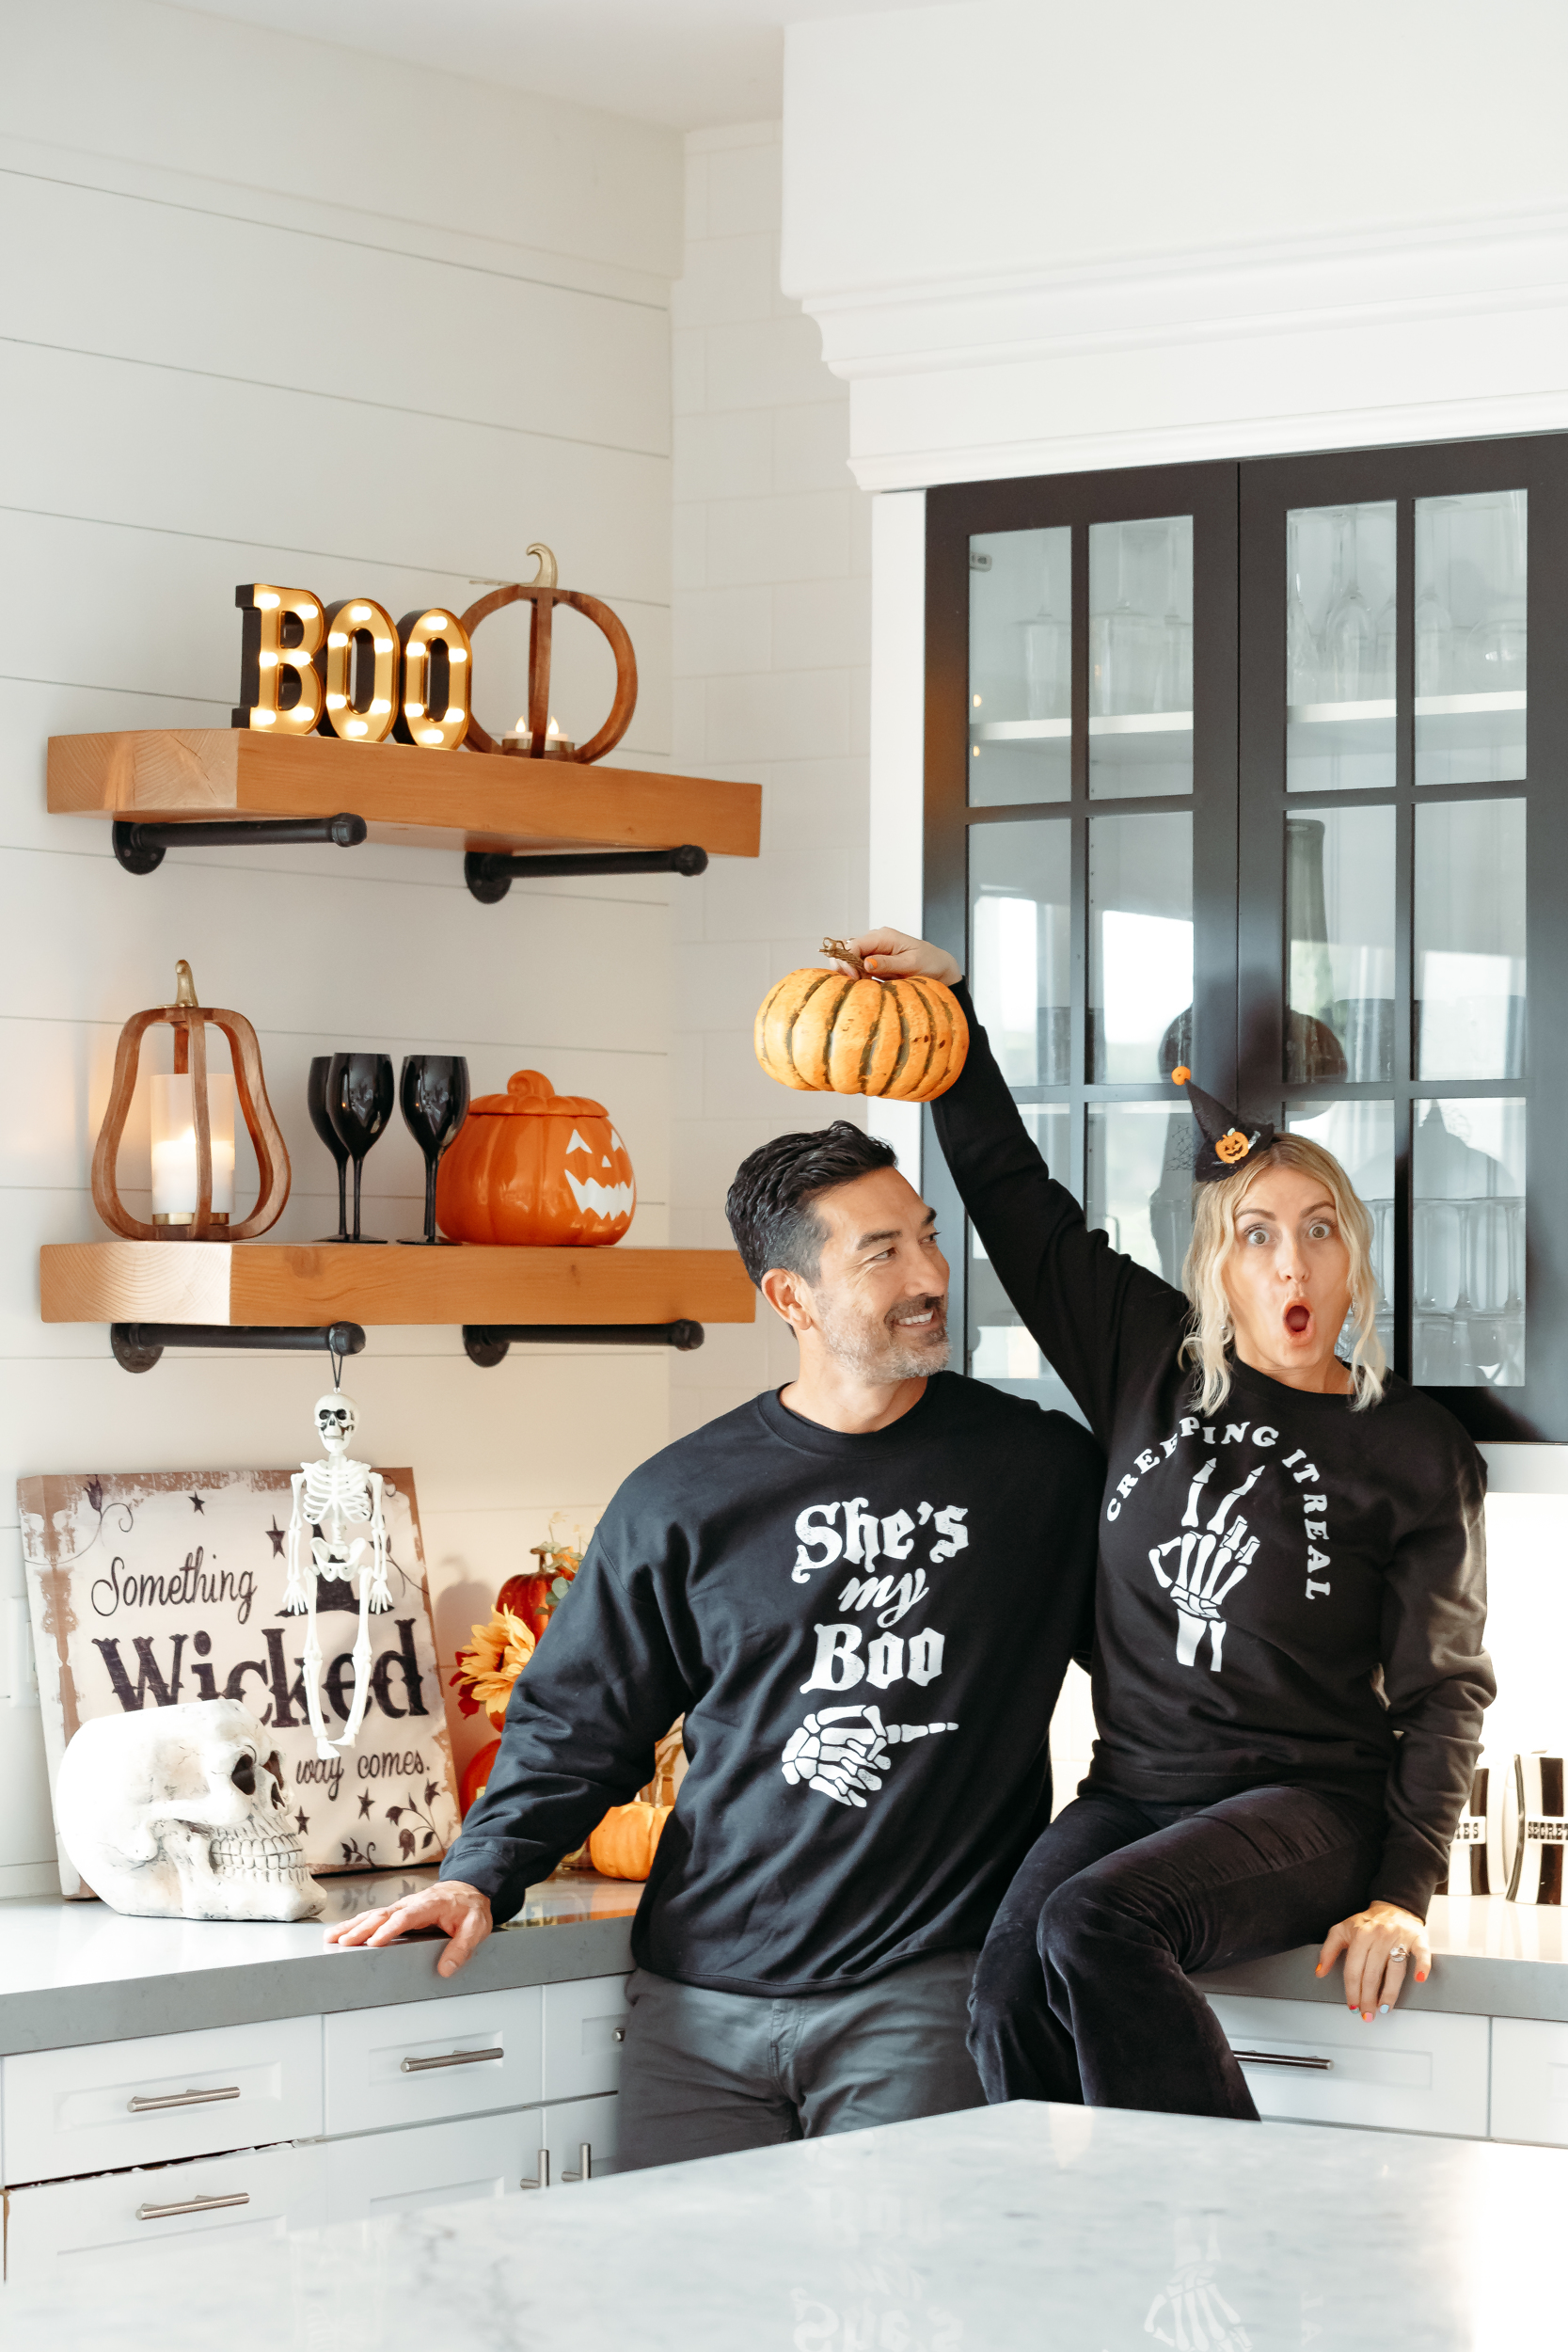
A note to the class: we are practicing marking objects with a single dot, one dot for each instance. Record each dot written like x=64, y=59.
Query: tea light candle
x=520, y=742
x=174, y=1183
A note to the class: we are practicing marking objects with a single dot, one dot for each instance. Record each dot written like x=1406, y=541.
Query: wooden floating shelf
x=309, y=1283
x=427, y=799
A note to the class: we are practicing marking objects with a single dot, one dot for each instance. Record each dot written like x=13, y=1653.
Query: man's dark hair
x=772, y=1203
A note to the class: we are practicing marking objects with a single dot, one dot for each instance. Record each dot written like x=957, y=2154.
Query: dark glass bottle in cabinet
x=1248, y=765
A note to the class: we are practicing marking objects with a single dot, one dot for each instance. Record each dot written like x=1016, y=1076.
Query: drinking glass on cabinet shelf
x=1019, y=667
x=1471, y=638
x=1339, y=940
x=360, y=1091
x=1470, y=992
x=1141, y=657
x=315, y=1099
x=1468, y=1268
x=1340, y=620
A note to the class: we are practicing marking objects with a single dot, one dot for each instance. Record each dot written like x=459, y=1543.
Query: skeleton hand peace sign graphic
x=1200, y=1581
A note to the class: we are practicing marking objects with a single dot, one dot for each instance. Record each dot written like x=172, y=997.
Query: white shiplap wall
x=772, y=650
x=277, y=310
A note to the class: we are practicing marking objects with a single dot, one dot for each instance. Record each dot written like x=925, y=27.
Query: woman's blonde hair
x=1212, y=1329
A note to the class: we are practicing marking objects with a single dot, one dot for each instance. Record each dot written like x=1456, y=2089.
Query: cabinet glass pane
x=1360, y=1134
x=1468, y=1165
x=1140, y=1181
x=1140, y=945
x=1020, y=946
x=1000, y=1349
x=1019, y=667
x=1339, y=939
x=1141, y=657
x=1470, y=619
x=1339, y=621
x=1470, y=939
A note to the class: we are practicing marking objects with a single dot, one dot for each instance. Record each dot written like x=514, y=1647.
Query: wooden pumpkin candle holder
x=190, y=1023
x=544, y=595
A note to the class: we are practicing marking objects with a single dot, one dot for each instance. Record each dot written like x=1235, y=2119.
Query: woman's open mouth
x=1298, y=1319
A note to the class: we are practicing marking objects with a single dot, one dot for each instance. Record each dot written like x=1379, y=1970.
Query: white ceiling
x=688, y=63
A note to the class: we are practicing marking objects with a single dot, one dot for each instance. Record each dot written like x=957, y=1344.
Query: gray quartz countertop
x=78, y=1972
x=997, y=2229
x=1491, y=1958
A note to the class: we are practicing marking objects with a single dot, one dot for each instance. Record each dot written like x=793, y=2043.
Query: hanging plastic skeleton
x=338, y=1507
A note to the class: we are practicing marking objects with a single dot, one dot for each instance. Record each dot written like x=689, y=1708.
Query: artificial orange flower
x=486, y=1672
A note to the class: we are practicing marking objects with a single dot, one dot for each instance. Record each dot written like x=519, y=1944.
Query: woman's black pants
x=1081, y=1993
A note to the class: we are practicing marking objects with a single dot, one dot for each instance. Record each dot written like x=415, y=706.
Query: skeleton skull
x=171, y=1812
x=336, y=1421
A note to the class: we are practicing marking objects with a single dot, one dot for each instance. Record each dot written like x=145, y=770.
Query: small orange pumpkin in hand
x=825, y=1034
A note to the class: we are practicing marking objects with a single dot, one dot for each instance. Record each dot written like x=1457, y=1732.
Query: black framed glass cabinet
x=1245, y=765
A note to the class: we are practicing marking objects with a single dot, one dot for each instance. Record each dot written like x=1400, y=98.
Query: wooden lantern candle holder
x=190, y=1023
x=544, y=595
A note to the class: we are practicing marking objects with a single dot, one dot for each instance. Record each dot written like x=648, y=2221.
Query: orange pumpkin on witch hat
x=532, y=1166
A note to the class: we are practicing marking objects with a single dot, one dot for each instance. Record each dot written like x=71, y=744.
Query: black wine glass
x=315, y=1096
x=435, y=1097
x=360, y=1091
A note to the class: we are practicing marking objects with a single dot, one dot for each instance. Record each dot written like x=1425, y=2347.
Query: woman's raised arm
x=1082, y=1301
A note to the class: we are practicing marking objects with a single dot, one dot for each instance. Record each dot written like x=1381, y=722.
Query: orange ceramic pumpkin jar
x=532, y=1166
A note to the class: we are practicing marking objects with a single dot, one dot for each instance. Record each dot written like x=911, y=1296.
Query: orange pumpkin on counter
x=532, y=1167
x=626, y=1840
x=824, y=1033
x=476, y=1777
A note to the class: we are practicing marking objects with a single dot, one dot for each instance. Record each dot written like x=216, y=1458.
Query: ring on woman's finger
x=1399, y=1952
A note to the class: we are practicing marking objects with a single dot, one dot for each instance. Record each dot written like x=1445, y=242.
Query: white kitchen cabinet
x=125, y=2217
x=431, y=2164
x=1529, y=2081
x=584, y=2029
x=1314, y=2063
x=417, y=2061
x=161, y=2097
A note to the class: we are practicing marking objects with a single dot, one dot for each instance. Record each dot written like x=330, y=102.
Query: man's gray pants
x=703, y=2074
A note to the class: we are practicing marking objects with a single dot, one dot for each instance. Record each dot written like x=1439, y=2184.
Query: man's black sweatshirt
x=1289, y=1590
x=866, y=1636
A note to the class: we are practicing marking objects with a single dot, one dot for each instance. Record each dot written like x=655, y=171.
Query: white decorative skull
x=171, y=1812
x=336, y=1421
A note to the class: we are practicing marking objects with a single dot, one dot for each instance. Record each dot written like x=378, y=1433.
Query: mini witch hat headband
x=1226, y=1141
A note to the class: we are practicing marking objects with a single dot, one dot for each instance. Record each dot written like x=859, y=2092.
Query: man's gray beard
x=876, y=1352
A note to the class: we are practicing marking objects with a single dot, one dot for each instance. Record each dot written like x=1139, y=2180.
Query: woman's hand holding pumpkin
x=890, y=955
x=1379, y=1943
x=460, y=1911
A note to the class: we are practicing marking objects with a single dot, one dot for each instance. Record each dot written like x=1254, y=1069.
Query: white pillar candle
x=174, y=1147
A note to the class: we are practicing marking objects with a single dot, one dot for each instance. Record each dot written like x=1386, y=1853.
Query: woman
x=1289, y=1676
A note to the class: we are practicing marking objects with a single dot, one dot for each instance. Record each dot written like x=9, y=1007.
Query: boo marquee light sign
x=345, y=669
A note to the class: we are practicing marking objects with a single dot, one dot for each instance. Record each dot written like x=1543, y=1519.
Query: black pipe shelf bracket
x=490, y=873
x=140, y=846
x=137, y=1346
x=486, y=1343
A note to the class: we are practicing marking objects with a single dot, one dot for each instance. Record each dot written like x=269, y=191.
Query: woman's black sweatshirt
x=1289, y=1590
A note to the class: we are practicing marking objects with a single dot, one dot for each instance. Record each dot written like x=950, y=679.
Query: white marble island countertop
x=78, y=1972
x=1043, y=2229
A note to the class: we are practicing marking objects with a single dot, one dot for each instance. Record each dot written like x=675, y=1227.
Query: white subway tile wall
x=771, y=638
x=277, y=309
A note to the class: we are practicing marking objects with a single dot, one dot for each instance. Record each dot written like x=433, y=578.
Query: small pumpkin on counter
x=626, y=1840
x=532, y=1166
x=476, y=1777
x=824, y=1033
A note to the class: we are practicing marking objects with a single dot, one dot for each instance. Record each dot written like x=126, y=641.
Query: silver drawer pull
x=585, y=2163
x=544, y=2180
x=1279, y=2057
x=454, y=2057
x=619, y=2034
x=191, y=2204
x=180, y=2099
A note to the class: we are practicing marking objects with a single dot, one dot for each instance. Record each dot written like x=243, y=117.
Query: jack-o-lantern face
x=1233, y=1148
x=532, y=1166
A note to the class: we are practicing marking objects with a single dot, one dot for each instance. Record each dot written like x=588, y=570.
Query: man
x=862, y=1593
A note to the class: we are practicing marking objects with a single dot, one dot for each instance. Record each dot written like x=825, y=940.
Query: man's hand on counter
x=460, y=1912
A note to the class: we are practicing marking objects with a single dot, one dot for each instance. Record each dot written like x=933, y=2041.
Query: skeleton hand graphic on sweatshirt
x=866, y=1635
x=1289, y=1590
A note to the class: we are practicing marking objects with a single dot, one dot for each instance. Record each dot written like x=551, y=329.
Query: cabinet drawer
x=419, y=2060
x=1415, y=2070
x=434, y=2164
x=1529, y=2081
x=584, y=2027
x=564, y=2127
x=101, y=2107
x=121, y=2217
